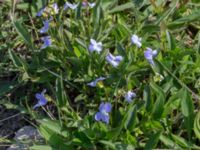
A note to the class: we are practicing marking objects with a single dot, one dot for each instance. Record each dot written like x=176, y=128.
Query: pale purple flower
x=114, y=60
x=149, y=54
x=69, y=5
x=55, y=8
x=95, y=46
x=130, y=96
x=103, y=115
x=136, y=40
x=40, y=12
x=94, y=83
x=91, y=5
x=84, y=4
x=45, y=28
x=41, y=99
x=47, y=41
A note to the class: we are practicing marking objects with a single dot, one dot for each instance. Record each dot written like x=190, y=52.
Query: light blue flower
x=69, y=5
x=55, y=8
x=47, y=41
x=40, y=12
x=92, y=5
x=95, y=46
x=45, y=28
x=149, y=54
x=114, y=60
x=94, y=83
x=130, y=96
x=41, y=99
x=84, y=4
x=136, y=40
x=103, y=115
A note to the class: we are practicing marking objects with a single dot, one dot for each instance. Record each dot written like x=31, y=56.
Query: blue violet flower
x=40, y=12
x=149, y=54
x=103, y=115
x=94, y=83
x=114, y=60
x=136, y=40
x=47, y=41
x=41, y=99
x=130, y=96
x=55, y=8
x=95, y=46
x=92, y=5
x=45, y=28
x=69, y=5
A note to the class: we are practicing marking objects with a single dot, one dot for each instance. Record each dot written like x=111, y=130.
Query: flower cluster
x=94, y=46
x=47, y=39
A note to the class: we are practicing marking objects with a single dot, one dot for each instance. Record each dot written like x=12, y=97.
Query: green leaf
x=60, y=94
x=170, y=40
x=167, y=13
x=53, y=126
x=41, y=147
x=52, y=133
x=197, y=125
x=131, y=117
x=23, y=32
x=17, y=61
x=84, y=140
x=147, y=98
x=153, y=140
x=168, y=142
x=108, y=143
x=122, y=7
x=158, y=107
x=187, y=109
x=180, y=141
x=6, y=87
x=184, y=20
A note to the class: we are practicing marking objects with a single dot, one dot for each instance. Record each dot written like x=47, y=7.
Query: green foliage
x=164, y=114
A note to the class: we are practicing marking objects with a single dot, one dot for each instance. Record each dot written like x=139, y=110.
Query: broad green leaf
x=153, y=140
x=61, y=95
x=197, y=125
x=53, y=126
x=170, y=40
x=17, y=61
x=147, y=98
x=198, y=45
x=23, y=32
x=131, y=117
x=180, y=141
x=77, y=52
x=122, y=7
x=84, y=140
x=41, y=147
x=187, y=109
x=184, y=143
x=54, y=139
x=158, y=107
x=184, y=20
x=108, y=143
x=169, y=142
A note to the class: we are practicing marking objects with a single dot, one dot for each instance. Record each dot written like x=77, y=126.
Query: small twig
x=9, y=117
